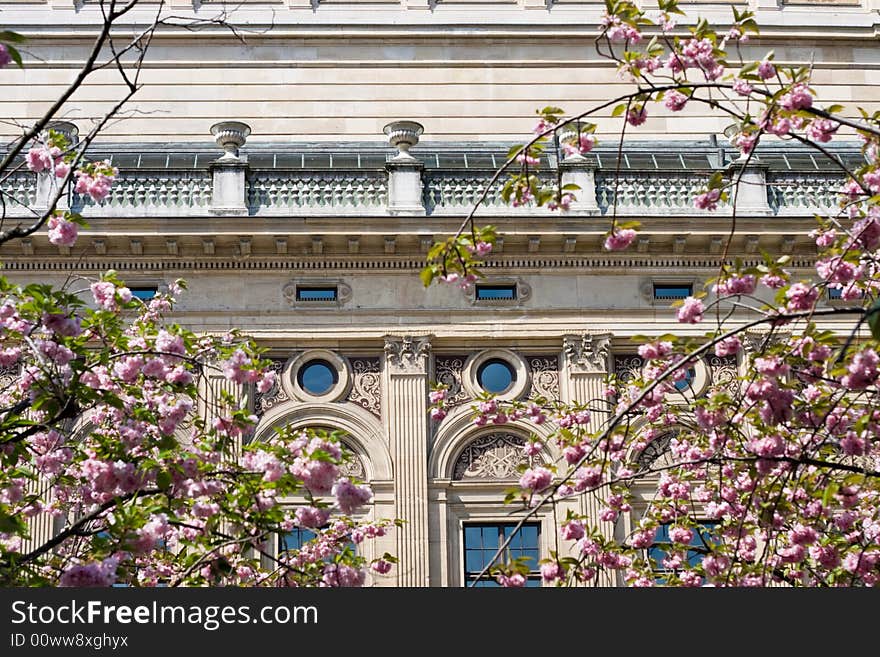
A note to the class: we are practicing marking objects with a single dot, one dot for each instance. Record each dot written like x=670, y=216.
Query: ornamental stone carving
x=587, y=353
x=657, y=453
x=628, y=367
x=545, y=377
x=756, y=342
x=724, y=372
x=447, y=371
x=493, y=456
x=407, y=354
x=366, y=388
x=263, y=401
x=353, y=467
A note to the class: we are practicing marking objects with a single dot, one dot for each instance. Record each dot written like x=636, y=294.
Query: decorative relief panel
x=263, y=401
x=492, y=456
x=657, y=455
x=545, y=377
x=366, y=388
x=587, y=352
x=447, y=372
x=628, y=367
x=354, y=467
x=724, y=372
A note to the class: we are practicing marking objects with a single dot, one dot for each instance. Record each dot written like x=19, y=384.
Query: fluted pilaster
x=406, y=380
x=587, y=362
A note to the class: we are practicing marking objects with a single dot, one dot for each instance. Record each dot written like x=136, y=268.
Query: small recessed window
x=672, y=291
x=835, y=292
x=144, y=292
x=317, y=377
x=496, y=292
x=323, y=293
x=496, y=376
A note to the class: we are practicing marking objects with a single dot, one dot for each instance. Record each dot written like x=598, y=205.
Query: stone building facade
x=310, y=232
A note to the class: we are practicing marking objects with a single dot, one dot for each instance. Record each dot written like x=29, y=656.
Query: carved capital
x=756, y=342
x=588, y=352
x=407, y=354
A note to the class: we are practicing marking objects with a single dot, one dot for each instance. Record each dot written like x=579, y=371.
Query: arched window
x=494, y=455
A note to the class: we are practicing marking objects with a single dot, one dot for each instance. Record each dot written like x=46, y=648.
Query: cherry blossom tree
x=106, y=425
x=772, y=480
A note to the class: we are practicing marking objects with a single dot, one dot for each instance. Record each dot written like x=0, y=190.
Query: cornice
x=307, y=264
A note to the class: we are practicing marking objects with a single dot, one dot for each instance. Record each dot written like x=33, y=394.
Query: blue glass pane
x=686, y=382
x=490, y=292
x=295, y=539
x=495, y=376
x=143, y=293
x=316, y=293
x=664, y=292
x=475, y=561
x=473, y=536
x=835, y=292
x=317, y=377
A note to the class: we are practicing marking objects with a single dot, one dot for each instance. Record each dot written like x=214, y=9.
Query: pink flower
x=436, y=396
x=675, y=101
x=742, y=87
x=311, y=517
x=681, y=535
x=637, y=115
x=104, y=294
x=536, y=479
x=862, y=371
x=349, y=498
x=708, y=200
x=766, y=69
x=620, y=239
x=655, y=350
x=91, y=574
x=382, y=567
x=511, y=581
x=801, y=297
x=482, y=249
x=797, y=99
x=691, y=311
x=62, y=169
x=5, y=57
x=552, y=571
x=437, y=414
x=728, y=347
x=822, y=130
x=61, y=231
x=745, y=142
x=573, y=530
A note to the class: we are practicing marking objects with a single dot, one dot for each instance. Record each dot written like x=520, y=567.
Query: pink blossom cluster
x=95, y=180
x=61, y=231
x=617, y=30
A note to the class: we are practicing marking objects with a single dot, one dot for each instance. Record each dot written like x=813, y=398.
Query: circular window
x=496, y=376
x=317, y=377
x=499, y=372
x=685, y=384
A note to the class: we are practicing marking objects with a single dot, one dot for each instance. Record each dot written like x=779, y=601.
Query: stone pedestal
x=751, y=192
x=406, y=417
x=579, y=171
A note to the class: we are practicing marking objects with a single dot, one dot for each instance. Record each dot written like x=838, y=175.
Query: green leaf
x=874, y=320
x=7, y=36
x=163, y=480
x=427, y=275
x=619, y=110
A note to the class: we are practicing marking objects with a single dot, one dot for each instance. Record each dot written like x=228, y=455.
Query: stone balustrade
x=229, y=185
x=285, y=192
